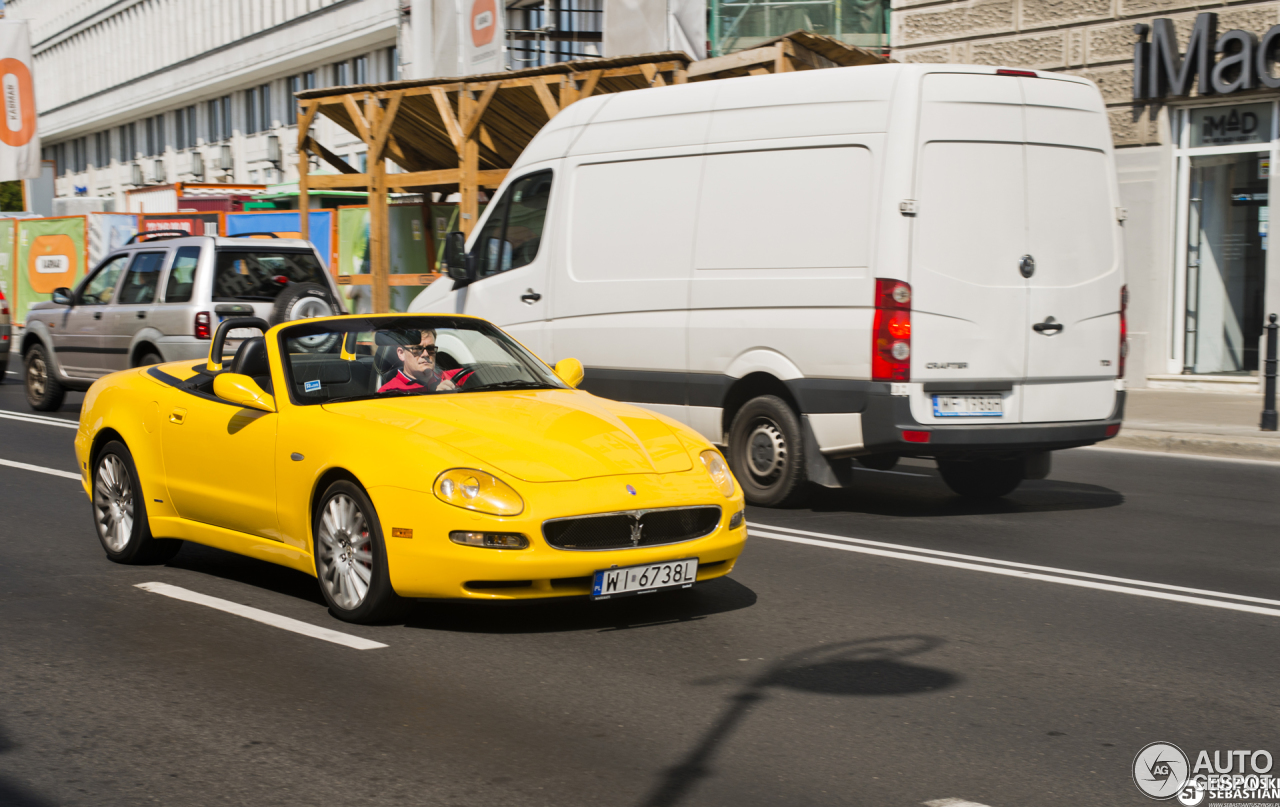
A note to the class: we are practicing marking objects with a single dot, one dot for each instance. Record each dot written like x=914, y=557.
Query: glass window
x=1228, y=125
x=512, y=235
x=362, y=358
x=141, y=280
x=182, y=275
x=260, y=275
x=102, y=286
x=361, y=64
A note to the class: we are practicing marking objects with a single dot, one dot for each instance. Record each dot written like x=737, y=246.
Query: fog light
x=736, y=520
x=490, y=540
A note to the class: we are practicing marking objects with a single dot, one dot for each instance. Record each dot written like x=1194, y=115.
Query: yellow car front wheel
x=351, y=558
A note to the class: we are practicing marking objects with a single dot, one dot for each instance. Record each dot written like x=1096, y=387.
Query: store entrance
x=1226, y=262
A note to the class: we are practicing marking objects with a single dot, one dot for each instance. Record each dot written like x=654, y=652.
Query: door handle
x=1049, y=326
x=530, y=297
x=142, y=315
x=97, y=315
x=1027, y=265
x=178, y=416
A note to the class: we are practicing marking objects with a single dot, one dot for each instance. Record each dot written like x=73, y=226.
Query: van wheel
x=44, y=393
x=982, y=479
x=766, y=452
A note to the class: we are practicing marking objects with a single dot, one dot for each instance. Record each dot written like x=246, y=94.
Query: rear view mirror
x=455, y=256
x=62, y=295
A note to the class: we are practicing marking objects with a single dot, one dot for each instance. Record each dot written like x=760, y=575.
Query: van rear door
x=969, y=318
x=1074, y=236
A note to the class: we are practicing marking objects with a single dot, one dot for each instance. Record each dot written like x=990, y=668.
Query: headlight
x=476, y=490
x=719, y=471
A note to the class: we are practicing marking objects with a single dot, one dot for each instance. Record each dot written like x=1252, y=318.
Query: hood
x=536, y=435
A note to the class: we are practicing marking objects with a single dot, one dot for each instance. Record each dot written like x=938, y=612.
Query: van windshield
x=260, y=275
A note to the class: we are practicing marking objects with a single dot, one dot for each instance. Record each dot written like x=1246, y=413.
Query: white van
x=812, y=267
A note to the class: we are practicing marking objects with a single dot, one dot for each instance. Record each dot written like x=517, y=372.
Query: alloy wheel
x=113, y=503
x=346, y=552
x=37, y=373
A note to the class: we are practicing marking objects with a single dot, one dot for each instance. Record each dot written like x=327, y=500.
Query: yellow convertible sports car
x=404, y=456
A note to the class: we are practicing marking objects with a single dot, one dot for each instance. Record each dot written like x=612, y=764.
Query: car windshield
x=360, y=358
x=261, y=274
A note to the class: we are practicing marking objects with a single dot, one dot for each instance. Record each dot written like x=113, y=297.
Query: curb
x=1212, y=445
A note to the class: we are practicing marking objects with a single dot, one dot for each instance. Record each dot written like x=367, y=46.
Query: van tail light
x=891, y=334
x=1022, y=73
x=1124, y=329
x=202, y=325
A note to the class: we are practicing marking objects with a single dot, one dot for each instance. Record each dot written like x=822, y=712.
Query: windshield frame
x=374, y=322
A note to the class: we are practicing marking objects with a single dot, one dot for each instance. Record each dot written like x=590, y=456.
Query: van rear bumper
x=886, y=417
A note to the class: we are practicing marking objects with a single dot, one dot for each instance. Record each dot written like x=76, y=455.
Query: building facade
x=1192, y=101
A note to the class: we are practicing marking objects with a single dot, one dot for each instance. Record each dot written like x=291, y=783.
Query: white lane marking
x=878, y=471
x=952, y=803
x=1014, y=564
x=1177, y=454
x=40, y=469
x=1044, y=578
x=265, y=617
x=43, y=421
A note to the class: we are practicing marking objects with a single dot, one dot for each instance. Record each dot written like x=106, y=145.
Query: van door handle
x=530, y=297
x=142, y=315
x=1027, y=265
x=97, y=315
x=1049, y=326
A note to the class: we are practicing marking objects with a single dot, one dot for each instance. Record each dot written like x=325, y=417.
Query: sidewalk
x=1209, y=423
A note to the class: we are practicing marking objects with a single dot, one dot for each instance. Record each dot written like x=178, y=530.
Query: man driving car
x=418, y=371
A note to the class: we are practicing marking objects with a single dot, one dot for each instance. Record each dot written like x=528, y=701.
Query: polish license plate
x=968, y=406
x=646, y=579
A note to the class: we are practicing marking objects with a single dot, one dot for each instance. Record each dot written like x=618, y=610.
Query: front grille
x=617, y=530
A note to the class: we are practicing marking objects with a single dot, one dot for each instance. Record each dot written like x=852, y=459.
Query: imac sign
x=1235, y=61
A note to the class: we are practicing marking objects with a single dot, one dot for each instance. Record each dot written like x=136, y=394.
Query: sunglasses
x=417, y=350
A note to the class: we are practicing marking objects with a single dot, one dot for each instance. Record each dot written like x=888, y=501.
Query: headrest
x=251, y=358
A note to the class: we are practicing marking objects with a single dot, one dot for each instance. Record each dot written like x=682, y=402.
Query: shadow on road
x=580, y=614
x=12, y=794
x=250, y=571
x=885, y=495
x=866, y=667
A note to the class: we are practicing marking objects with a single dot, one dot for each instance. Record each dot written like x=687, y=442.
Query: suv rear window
x=261, y=275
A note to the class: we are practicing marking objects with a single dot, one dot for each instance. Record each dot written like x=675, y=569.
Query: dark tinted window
x=512, y=235
x=182, y=275
x=260, y=275
x=141, y=280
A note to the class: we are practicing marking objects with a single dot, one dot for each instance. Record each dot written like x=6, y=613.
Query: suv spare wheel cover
x=303, y=301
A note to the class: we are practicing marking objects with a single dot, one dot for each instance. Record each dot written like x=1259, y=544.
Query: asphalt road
x=827, y=672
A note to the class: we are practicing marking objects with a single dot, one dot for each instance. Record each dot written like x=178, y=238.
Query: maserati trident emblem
x=637, y=530
x=631, y=490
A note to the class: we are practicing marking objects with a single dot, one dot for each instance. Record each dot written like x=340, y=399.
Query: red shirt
x=402, y=381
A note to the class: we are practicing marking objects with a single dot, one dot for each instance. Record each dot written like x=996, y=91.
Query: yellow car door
x=219, y=463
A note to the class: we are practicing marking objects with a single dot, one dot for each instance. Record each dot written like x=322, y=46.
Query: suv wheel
x=766, y=452
x=44, y=393
x=982, y=479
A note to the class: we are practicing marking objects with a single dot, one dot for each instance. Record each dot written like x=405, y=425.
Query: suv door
x=77, y=339
x=510, y=288
x=128, y=314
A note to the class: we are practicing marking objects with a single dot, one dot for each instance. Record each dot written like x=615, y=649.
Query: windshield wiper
x=513, y=384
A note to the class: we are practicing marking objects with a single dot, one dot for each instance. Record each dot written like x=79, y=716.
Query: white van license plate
x=968, y=406
x=644, y=579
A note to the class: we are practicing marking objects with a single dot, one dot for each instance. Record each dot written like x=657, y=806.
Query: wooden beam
x=384, y=129
x=304, y=198
x=469, y=126
x=328, y=156
x=362, y=127
x=648, y=71
x=393, y=147
x=759, y=71
x=486, y=139
x=309, y=110
x=425, y=279
x=680, y=76
x=450, y=120
x=334, y=181
x=468, y=168
x=379, y=221
x=493, y=177
x=733, y=61
x=780, y=62
x=589, y=86
x=549, y=104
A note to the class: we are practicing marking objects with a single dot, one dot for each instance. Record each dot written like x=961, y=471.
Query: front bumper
x=888, y=416
x=429, y=565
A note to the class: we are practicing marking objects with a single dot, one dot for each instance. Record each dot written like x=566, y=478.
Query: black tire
x=982, y=479
x=303, y=301
x=44, y=392
x=120, y=510
x=766, y=453
x=149, y=358
x=349, y=550
x=4, y=370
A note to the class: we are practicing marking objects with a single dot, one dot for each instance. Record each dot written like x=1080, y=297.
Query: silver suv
x=160, y=299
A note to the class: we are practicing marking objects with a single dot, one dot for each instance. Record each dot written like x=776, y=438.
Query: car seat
x=251, y=360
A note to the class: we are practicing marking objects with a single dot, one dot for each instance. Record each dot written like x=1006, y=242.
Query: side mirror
x=242, y=391
x=570, y=372
x=62, y=296
x=455, y=256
